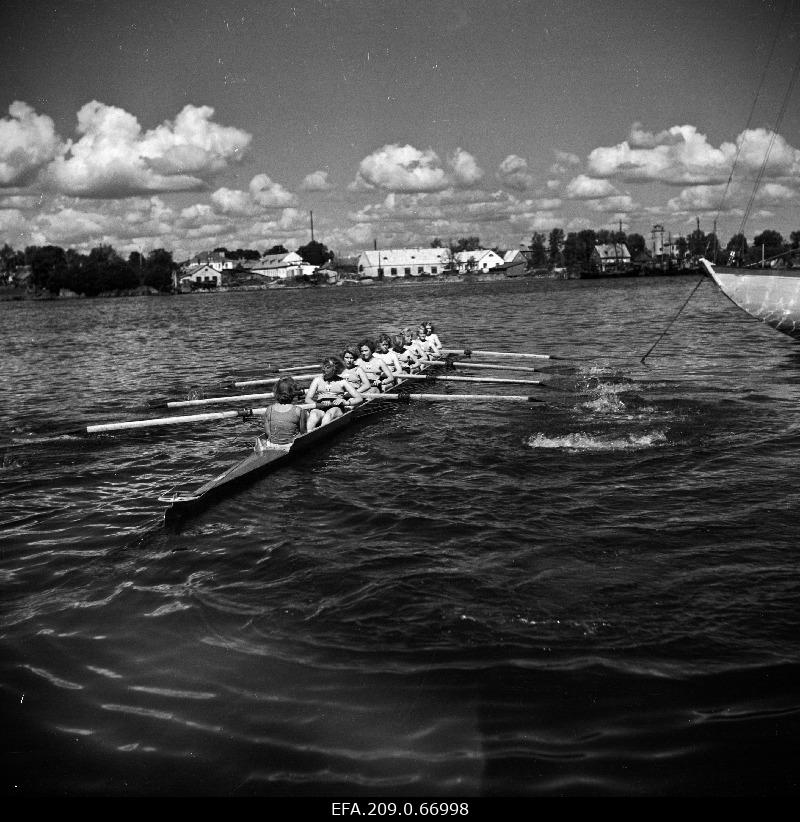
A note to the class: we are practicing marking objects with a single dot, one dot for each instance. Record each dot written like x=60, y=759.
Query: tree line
x=103, y=270
x=574, y=250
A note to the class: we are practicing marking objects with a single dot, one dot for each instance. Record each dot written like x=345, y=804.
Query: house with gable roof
x=282, y=266
x=479, y=260
x=610, y=257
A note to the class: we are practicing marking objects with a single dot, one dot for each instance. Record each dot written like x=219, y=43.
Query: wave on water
x=581, y=441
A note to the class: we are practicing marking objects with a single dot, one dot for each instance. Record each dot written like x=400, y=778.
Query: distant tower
x=312, y=225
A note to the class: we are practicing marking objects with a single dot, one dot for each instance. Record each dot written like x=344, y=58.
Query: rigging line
x=669, y=325
x=773, y=137
x=740, y=146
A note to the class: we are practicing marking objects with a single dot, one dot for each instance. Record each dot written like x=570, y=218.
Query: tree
x=555, y=245
x=158, y=270
x=636, y=244
x=315, y=253
x=467, y=244
x=772, y=242
x=697, y=243
x=48, y=267
x=436, y=243
x=737, y=248
x=586, y=241
x=538, y=256
x=276, y=249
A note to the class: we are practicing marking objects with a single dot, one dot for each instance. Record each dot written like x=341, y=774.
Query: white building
x=482, y=259
x=281, y=266
x=202, y=275
x=402, y=262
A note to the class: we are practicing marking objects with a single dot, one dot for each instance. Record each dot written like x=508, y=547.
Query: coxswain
x=284, y=420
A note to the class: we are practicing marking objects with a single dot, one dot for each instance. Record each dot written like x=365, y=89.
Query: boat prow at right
x=771, y=295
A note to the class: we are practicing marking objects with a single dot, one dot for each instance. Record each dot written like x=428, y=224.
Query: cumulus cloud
x=588, y=188
x=113, y=158
x=269, y=194
x=681, y=155
x=27, y=142
x=466, y=171
x=403, y=168
x=513, y=173
x=262, y=194
x=316, y=181
x=565, y=162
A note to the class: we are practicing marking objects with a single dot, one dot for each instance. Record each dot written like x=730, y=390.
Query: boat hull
x=770, y=295
x=191, y=499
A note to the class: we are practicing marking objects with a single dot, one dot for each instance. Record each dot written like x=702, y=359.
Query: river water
x=592, y=596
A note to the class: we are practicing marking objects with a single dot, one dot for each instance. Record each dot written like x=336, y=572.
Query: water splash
x=581, y=441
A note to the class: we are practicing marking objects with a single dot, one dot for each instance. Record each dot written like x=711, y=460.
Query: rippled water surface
x=593, y=595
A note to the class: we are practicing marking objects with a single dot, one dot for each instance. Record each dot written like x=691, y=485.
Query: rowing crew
x=369, y=369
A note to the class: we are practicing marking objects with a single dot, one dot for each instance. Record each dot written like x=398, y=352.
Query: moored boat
x=771, y=295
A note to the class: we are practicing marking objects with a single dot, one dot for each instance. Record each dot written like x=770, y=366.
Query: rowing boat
x=189, y=499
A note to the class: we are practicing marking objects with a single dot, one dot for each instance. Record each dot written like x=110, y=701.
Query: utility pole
x=312, y=225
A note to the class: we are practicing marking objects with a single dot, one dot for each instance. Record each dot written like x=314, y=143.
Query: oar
x=456, y=397
x=218, y=400
x=244, y=413
x=466, y=352
x=479, y=365
x=273, y=380
x=437, y=378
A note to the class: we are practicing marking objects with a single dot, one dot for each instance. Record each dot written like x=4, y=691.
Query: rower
x=427, y=345
x=353, y=373
x=386, y=353
x=433, y=336
x=284, y=420
x=407, y=356
x=331, y=394
x=378, y=373
x=411, y=340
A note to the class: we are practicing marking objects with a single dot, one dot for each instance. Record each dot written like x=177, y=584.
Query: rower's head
x=384, y=343
x=397, y=342
x=429, y=327
x=422, y=331
x=407, y=336
x=332, y=367
x=349, y=356
x=366, y=349
x=285, y=390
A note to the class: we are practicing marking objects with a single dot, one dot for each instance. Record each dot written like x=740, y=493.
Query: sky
x=190, y=125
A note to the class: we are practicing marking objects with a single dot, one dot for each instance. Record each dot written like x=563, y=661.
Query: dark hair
x=385, y=338
x=337, y=364
x=369, y=343
x=398, y=343
x=352, y=350
x=285, y=389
